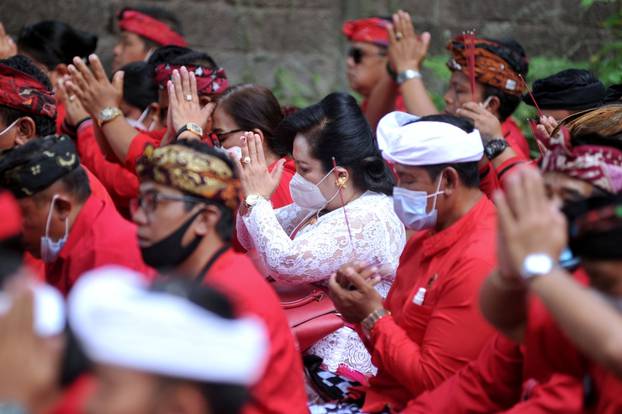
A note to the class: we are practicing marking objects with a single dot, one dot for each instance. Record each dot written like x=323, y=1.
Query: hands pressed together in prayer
x=8, y=47
x=253, y=168
x=352, y=290
x=74, y=111
x=529, y=223
x=407, y=49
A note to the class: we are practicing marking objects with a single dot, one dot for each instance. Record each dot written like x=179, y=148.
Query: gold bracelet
x=370, y=320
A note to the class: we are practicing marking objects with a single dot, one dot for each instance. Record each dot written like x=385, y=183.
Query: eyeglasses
x=223, y=135
x=357, y=54
x=150, y=200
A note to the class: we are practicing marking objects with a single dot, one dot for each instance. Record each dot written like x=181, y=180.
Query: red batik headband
x=209, y=82
x=150, y=28
x=24, y=93
x=372, y=30
x=599, y=165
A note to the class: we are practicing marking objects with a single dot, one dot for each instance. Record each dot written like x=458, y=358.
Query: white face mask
x=410, y=206
x=308, y=195
x=49, y=248
x=139, y=123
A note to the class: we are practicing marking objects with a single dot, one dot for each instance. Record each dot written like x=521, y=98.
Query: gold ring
x=188, y=97
x=72, y=98
x=246, y=160
x=398, y=36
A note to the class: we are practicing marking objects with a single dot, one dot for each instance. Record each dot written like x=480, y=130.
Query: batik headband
x=24, y=93
x=209, y=82
x=150, y=28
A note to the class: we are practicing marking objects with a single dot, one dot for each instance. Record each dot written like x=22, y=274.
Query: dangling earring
x=341, y=181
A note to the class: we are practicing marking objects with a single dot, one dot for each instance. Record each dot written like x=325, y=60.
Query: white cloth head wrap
x=49, y=309
x=404, y=141
x=119, y=322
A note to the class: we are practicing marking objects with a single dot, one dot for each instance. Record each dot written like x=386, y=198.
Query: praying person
x=367, y=65
x=342, y=211
x=429, y=326
x=185, y=215
x=143, y=30
x=68, y=228
x=169, y=348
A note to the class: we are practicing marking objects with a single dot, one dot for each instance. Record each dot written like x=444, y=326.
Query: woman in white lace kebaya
x=305, y=242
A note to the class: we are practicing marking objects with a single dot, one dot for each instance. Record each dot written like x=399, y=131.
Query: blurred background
x=296, y=47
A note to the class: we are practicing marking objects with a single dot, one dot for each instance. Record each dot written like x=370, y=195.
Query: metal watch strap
x=407, y=75
x=369, y=322
x=186, y=129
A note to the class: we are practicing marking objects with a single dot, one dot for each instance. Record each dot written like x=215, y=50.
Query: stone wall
x=295, y=46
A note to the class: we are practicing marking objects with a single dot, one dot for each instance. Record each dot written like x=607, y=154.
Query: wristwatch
x=251, y=200
x=494, y=148
x=108, y=114
x=537, y=264
x=367, y=324
x=406, y=75
x=190, y=127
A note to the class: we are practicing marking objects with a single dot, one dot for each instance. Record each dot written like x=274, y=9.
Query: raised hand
x=184, y=105
x=92, y=87
x=74, y=111
x=488, y=125
x=253, y=169
x=407, y=50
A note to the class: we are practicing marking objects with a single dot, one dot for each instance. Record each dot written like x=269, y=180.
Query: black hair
x=336, y=127
x=467, y=171
x=513, y=53
x=139, y=86
x=77, y=183
x=253, y=106
x=51, y=43
x=44, y=126
x=157, y=13
x=224, y=228
x=223, y=398
x=178, y=55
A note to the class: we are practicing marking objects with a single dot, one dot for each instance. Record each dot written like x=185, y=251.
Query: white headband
x=404, y=141
x=48, y=312
x=120, y=322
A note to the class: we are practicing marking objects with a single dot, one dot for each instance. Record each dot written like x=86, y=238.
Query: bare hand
x=410, y=50
x=488, y=125
x=184, y=106
x=353, y=293
x=7, y=44
x=254, y=175
x=528, y=221
x=29, y=365
x=74, y=111
x=92, y=87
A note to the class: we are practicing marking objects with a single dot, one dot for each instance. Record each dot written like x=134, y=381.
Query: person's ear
x=493, y=105
x=207, y=220
x=260, y=133
x=62, y=207
x=451, y=180
x=25, y=130
x=343, y=176
x=153, y=116
x=61, y=70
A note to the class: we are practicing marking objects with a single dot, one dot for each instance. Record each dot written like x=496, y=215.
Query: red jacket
x=99, y=236
x=514, y=136
x=139, y=142
x=122, y=185
x=426, y=341
x=281, y=389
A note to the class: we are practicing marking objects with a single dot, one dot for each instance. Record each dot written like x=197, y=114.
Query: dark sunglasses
x=357, y=54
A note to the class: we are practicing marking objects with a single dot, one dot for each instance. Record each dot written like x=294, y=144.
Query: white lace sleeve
x=321, y=248
x=288, y=217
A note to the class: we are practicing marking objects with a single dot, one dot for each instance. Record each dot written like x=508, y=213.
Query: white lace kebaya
x=319, y=248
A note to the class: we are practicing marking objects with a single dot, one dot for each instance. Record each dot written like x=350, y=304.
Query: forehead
x=411, y=171
x=457, y=77
x=148, y=186
x=367, y=47
x=301, y=150
x=131, y=37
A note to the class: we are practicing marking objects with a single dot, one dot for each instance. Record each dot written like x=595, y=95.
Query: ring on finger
x=188, y=97
x=72, y=98
x=398, y=36
x=246, y=160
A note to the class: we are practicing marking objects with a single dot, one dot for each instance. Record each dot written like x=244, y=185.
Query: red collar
x=89, y=212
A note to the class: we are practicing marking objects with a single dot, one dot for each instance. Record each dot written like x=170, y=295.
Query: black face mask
x=169, y=252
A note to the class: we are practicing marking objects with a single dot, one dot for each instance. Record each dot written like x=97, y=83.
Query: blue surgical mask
x=50, y=248
x=410, y=206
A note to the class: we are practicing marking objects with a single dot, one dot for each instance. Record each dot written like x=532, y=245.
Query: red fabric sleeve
x=455, y=326
x=282, y=196
x=121, y=184
x=488, y=181
x=490, y=383
x=561, y=394
x=137, y=146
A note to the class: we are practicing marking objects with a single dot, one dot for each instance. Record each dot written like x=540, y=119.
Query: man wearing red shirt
x=429, y=326
x=66, y=226
x=184, y=212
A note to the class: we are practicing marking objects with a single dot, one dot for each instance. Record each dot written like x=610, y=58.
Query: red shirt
x=281, y=196
x=428, y=339
x=99, y=236
x=514, y=136
x=281, y=389
x=122, y=185
x=138, y=144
